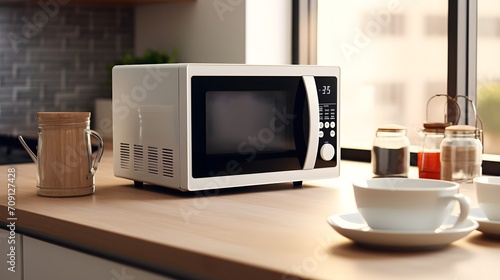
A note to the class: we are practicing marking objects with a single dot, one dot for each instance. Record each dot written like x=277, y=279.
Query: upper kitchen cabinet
x=218, y=31
x=118, y=2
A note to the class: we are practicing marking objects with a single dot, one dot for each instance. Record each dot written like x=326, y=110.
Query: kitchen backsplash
x=55, y=57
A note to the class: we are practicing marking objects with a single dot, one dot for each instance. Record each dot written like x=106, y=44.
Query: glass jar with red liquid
x=429, y=156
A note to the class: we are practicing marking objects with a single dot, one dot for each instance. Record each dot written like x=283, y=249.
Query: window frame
x=462, y=55
x=462, y=64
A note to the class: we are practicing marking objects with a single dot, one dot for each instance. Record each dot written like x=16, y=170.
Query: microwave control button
x=332, y=133
x=327, y=152
x=321, y=134
x=332, y=124
x=321, y=125
x=327, y=125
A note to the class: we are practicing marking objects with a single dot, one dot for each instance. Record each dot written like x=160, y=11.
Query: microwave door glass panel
x=247, y=125
x=244, y=122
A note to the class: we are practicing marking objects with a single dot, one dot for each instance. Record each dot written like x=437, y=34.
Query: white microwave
x=208, y=126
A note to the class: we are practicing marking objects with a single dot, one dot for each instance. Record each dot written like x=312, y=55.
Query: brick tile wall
x=54, y=57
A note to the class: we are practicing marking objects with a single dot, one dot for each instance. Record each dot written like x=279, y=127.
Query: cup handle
x=464, y=203
x=100, y=149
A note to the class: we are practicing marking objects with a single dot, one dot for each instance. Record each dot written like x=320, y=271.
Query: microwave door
x=313, y=108
x=254, y=124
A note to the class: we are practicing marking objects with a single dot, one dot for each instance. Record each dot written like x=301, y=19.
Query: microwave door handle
x=313, y=106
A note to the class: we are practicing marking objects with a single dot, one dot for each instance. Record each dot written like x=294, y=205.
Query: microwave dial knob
x=327, y=152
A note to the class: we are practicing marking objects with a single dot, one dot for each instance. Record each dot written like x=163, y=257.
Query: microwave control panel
x=328, y=121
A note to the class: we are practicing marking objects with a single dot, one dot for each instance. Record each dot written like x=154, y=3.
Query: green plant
x=488, y=104
x=149, y=57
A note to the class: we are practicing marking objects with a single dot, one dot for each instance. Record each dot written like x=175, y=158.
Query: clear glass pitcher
x=429, y=154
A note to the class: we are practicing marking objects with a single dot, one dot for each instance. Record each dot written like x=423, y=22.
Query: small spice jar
x=390, y=152
x=429, y=162
x=461, y=154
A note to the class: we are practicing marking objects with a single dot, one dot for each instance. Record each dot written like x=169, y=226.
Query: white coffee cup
x=488, y=196
x=403, y=204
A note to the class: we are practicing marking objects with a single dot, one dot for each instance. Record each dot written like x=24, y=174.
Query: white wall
x=202, y=33
x=221, y=31
x=268, y=32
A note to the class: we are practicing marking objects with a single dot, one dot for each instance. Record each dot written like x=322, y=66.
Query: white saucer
x=490, y=228
x=354, y=227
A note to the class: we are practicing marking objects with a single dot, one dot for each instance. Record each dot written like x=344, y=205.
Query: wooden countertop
x=262, y=232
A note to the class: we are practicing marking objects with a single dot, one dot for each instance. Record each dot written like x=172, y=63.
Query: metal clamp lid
x=461, y=129
x=445, y=122
x=478, y=123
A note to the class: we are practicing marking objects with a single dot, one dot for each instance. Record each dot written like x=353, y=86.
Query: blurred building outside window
x=393, y=57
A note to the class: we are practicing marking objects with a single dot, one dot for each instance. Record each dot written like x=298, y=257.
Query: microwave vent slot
x=125, y=156
x=168, y=162
x=138, y=158
x=153, y=160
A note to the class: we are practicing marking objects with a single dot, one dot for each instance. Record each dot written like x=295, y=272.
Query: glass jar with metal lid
x=428, y=158
x=390, y=151
x=461, y=154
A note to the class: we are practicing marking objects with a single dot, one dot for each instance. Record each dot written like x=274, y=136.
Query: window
x=488, y=73
x=395, y=55
x=393, y=58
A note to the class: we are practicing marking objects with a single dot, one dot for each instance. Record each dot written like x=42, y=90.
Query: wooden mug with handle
x=64, y=154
